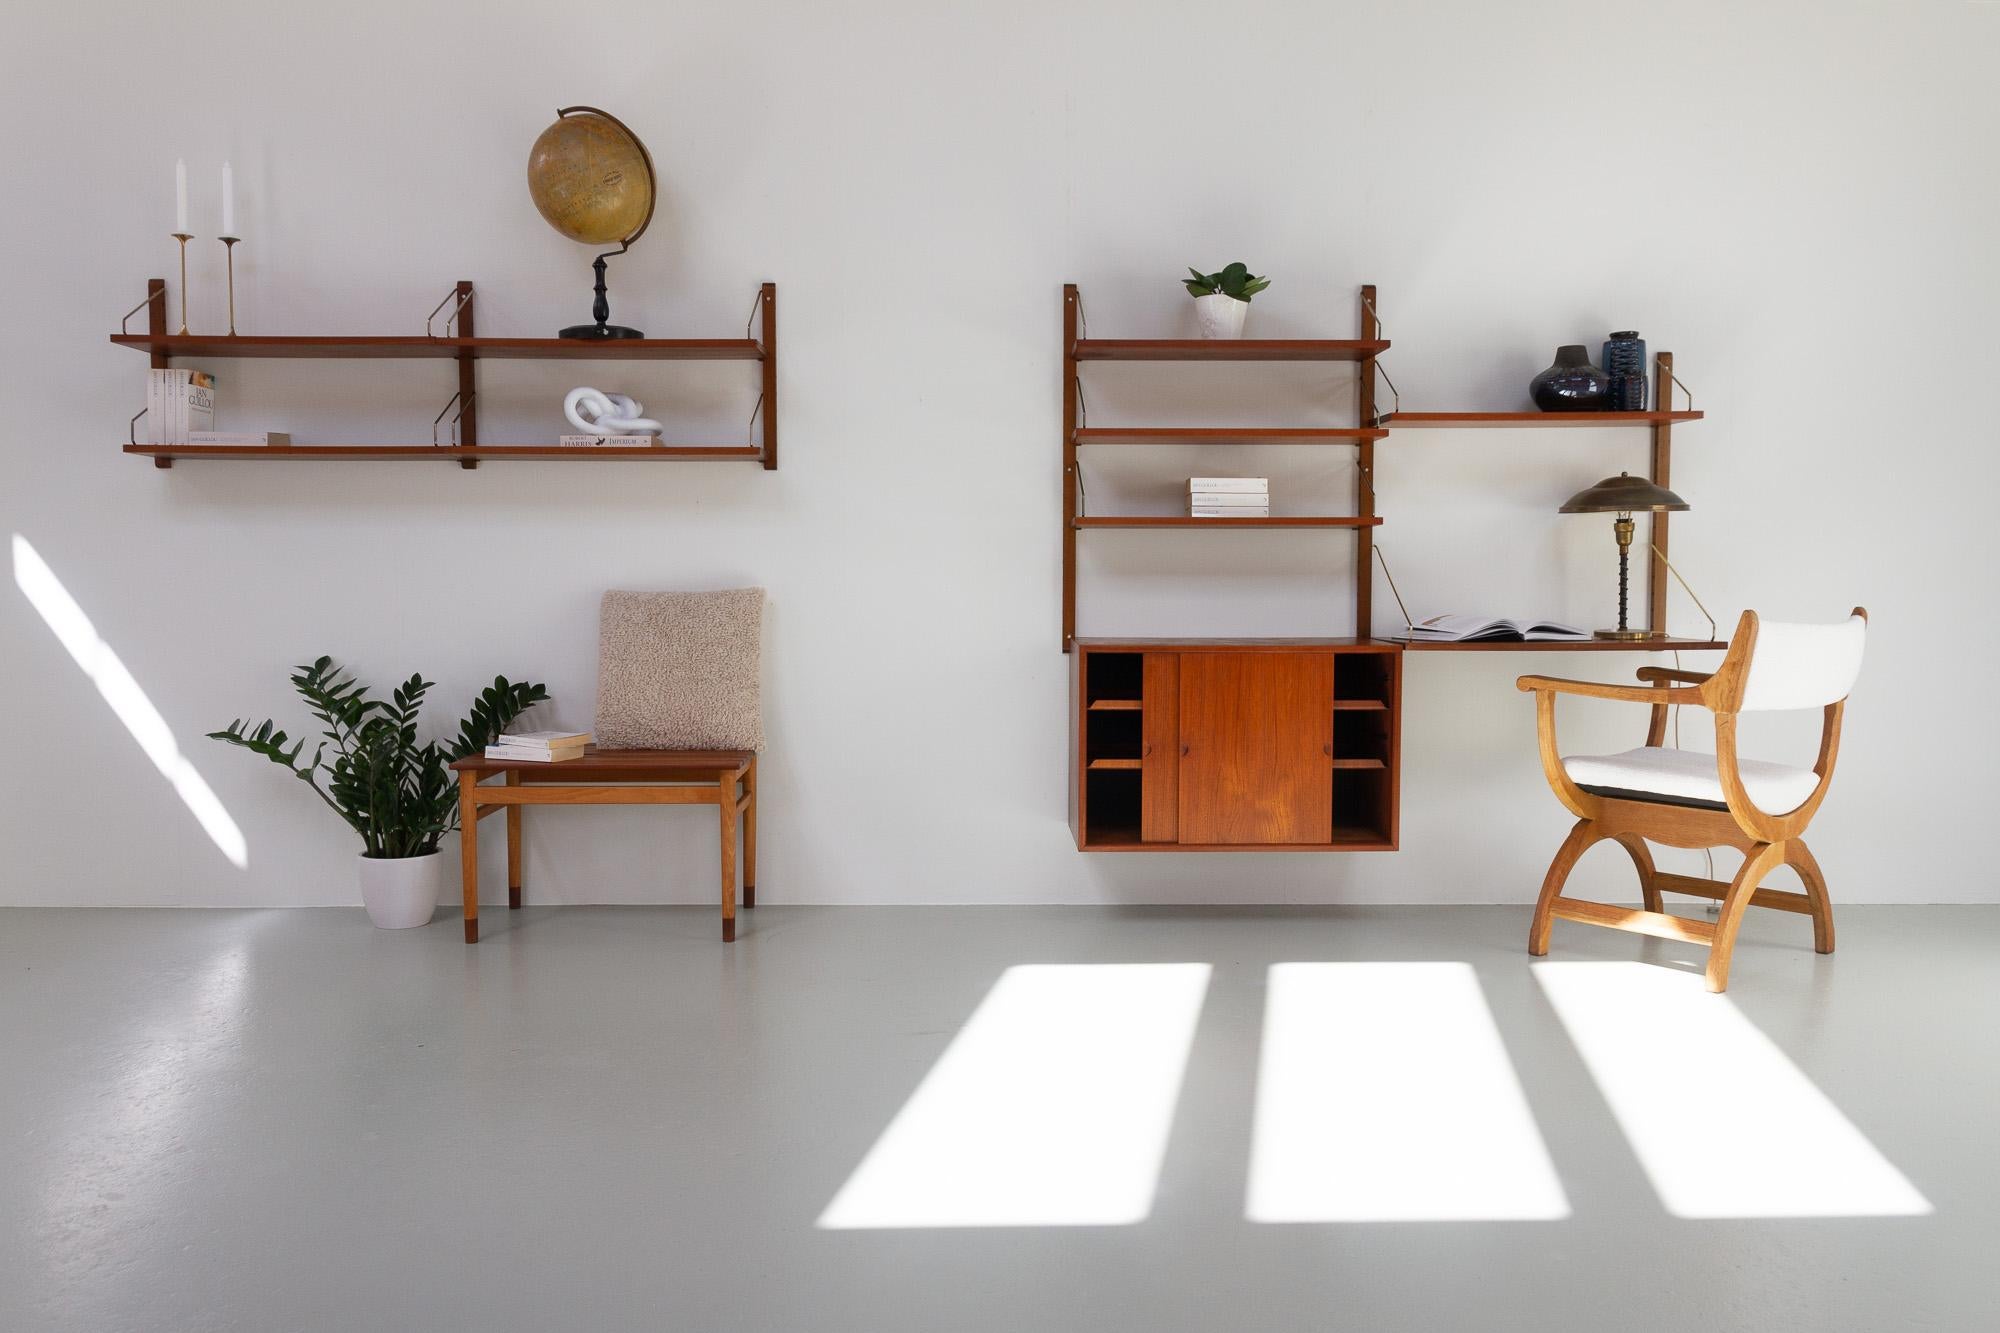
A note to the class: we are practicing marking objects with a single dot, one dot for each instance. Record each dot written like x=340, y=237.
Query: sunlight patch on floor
x=1384, y=1094
x=1724, y=1124
x=1050, y=1107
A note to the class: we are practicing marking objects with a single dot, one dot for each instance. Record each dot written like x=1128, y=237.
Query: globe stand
x=600, y=310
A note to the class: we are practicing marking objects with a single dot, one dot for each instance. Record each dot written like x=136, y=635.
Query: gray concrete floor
x=603, y=1118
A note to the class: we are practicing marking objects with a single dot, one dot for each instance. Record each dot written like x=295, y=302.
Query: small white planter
x=1221, y=316
x=399, y=892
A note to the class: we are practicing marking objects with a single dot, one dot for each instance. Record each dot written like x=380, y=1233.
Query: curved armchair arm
x=1665, y=674
x=1590, y=689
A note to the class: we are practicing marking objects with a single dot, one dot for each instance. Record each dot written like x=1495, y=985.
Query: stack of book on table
x=539, y=747
x=1229, y=497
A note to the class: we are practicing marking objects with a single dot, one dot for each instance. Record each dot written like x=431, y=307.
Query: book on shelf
x=1236, y=499
x=1478, y=629
x=273, y=439
x=178, y=401
x=607, y=441
x=1229, y=485
x=1235, y=511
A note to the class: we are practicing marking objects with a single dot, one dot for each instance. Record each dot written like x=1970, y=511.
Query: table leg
x=513, y=847
x=725, y=803
x=750, y=836
x=468, y=844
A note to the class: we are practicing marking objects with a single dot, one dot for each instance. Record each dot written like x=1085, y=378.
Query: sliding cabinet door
x=1256, y=763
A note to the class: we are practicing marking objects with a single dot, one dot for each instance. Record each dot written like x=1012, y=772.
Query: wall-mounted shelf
x=1187, y=521
x=1361, y=437
x=1529, y=420
x=456, y=341
x=1225, y=349
x=306, y=453
x=396, y=348
x=1227, y=435
x=1657, y=644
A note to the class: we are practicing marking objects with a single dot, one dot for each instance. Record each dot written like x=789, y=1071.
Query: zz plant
x=397, y=794
x=1236, y=281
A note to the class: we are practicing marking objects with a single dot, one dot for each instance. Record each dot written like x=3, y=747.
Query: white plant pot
x=1221, y=316
x=399, y=892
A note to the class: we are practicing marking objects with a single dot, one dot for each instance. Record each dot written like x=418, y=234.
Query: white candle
x=180, y=195
x=228, y=201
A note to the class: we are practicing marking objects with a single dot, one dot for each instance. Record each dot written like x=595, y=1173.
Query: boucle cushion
x=1690, y=775
x=680, y=670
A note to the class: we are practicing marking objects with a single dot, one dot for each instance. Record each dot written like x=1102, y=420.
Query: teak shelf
x=466, y=349
x=1287, y=744
x=1530, y=420
x=1188, y=521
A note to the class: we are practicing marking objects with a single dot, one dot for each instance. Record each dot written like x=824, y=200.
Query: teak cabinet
x=1235, y=744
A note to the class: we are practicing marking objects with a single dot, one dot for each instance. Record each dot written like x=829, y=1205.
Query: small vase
x=399, y=891
x=1572, y=384
x=1221, y=316
x=1625, y=363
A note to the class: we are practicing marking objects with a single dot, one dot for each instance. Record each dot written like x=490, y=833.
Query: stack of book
x=1229, y=497
x=539, y=747
x=180, y=409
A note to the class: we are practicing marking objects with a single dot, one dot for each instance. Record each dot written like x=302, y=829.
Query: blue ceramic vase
x=1625, y=363
x=1572, y=384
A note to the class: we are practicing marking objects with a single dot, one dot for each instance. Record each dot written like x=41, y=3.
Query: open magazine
x=1469, y=629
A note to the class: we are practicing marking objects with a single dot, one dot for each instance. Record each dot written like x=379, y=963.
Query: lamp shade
x=1622, y=494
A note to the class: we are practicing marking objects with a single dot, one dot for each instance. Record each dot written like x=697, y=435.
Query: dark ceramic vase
x=1624, y=361
x=1572, y=384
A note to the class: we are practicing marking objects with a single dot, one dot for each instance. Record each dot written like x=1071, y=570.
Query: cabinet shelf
x=1117, y=705
x=1102, y=764
x=1227, y=349
x=1359, y=763
x=1227, y=435
x=1359, y=706
x=1529, y=420
x=1185, y=521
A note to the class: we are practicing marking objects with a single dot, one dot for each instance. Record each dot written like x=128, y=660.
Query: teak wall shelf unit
x=466, y=349
x=1289, y=744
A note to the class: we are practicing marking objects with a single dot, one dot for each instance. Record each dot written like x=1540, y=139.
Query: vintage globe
x=591, y=178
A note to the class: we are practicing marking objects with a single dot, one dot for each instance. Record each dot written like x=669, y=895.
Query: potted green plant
x=1221, y=300
x=396, y=793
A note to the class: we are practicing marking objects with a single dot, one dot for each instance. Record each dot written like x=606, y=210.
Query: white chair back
x=1803, y=666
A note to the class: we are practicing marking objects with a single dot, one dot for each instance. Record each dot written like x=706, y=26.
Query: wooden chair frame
x=1766, y=840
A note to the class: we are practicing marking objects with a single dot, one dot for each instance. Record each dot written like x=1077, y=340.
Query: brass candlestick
x=229, y=253
x=184, y=238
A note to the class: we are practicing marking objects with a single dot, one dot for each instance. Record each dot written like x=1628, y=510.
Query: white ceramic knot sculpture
x=596, y=413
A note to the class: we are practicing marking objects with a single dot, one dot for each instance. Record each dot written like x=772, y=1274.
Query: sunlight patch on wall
x=45, y=592
x=1384, y=1094
x=1050, y=1107
x=1723, y=1123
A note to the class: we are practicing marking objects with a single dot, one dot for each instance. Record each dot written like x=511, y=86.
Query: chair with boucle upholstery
x=1683, y=798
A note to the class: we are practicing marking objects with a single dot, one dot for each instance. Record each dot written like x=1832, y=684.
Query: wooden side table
x=725, y=779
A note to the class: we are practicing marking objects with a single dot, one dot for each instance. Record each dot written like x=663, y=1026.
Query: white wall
x=1798, y=200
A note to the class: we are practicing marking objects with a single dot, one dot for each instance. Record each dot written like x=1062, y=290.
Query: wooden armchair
x=1684, y=798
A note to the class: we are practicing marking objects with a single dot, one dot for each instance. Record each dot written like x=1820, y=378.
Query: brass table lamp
x=1623, y=495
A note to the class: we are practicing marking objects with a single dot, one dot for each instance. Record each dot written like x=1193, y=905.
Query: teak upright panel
x=1256, y=748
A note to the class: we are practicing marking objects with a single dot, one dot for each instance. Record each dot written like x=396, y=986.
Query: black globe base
x=598, y=332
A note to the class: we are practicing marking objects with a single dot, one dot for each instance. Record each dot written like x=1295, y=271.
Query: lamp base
x=1623, y=635
x=598, y=332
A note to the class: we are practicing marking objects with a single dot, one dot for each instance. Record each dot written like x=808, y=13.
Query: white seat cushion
x=1690, y=775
